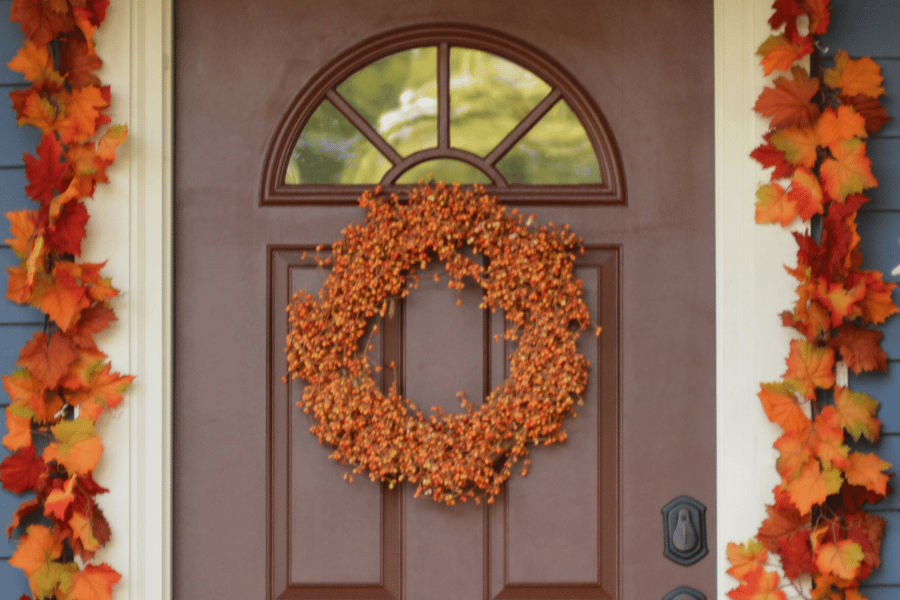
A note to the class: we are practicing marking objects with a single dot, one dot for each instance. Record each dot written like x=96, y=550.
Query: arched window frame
x=323, y=85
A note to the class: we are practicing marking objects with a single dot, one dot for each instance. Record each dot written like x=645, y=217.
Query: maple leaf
x=37, y=555
x=48, y=359
x=32, y=108
x=21, y=472
x=871, y=109
x=105, y=388
x=94, y=582
x=39, y=21
x=849, y=171
x=22, y=227
x=769, y=156
x=105, y=154
x=59, y=501
x=773, y=205
x=841, y=559
x=786, y=13
x=866, y=469
x=78, y=60
x=758, y=585
x=860, y=348
x=84, y=113
x=799, y=144
x=781, y=406
x=76, y=447
x=867, y=530
x=747, y=557
x=35, y=62
x=806, y=193
x=61, y=297
x=795, y=553
x=819, y=15
x=788, y=103
x=809, y=367
x=779, y=53
x=813, y=485
x=856, y=411
x=840, y=125
x=45, y=173
x=877, y=304
x=855, y=76
x=19, y=431
x=66, y=234
x=794, y=453
x=84, y=542
x=828, y=440
x=94, y=319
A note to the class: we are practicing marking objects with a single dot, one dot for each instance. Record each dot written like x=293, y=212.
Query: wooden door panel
x=550, y=534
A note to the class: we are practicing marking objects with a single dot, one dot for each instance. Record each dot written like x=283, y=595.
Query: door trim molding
x=749, y=291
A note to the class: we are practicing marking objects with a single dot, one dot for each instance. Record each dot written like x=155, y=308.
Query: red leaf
x=38, y=20
x=66, y=234
x=21, y=472
x=860, y=348
x=789, y=102
x=795, y=551
x=769, y=156
x=45, y=174
x=47, y=359
x=871, y=109
x=77, y=61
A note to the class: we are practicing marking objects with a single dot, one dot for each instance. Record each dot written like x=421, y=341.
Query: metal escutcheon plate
x=684, y=528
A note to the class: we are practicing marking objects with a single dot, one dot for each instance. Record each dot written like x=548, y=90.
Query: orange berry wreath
x=528, y=274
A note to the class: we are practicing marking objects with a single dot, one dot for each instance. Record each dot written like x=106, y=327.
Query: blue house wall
x=17, y=324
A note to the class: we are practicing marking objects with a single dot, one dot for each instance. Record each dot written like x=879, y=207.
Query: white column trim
x=751, y=287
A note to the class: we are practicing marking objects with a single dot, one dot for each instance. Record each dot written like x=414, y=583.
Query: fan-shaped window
x=466, y=106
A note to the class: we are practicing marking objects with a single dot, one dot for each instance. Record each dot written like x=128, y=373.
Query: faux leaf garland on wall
x=64, y=382
x=820, y=118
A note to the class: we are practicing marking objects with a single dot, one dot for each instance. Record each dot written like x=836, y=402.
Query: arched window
x=459, y=104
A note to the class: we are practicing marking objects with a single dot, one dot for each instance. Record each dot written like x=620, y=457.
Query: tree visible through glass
x=451, y=113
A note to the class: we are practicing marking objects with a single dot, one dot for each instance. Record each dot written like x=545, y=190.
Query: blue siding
x=16, y=323
x=869, y=28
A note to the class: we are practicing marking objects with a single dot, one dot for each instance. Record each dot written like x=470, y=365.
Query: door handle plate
x=684, y=529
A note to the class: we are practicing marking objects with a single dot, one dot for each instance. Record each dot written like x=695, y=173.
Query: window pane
x=447, y=170
x=331, y=150
x=397, y=95
x=489, y=95
x=556, y=151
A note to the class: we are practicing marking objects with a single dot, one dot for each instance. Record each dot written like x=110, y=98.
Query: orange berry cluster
x=528, y=274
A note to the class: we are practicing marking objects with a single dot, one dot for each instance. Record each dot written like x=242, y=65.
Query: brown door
x=260, y=510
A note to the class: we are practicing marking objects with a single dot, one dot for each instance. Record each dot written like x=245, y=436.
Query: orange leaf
x=83, y=113
x=22, y=227
x=47, y=359
x=36, y=555
x=59, y=500
x=877, y=304
x=839, y=125
x=781, y=407
x=35, y=62
x=841, y=559
x=857, y=413
x=788, y=103
x=809, y=367
x=813, y=485
x=855, y=76
x=794, y=453
x=866, y=469
x=774, y=205
x=778, y=52
x=76, y=447
x=758, y=585
x=19, y=431
x=84, y=537
x=39, y=21
x=807, y=193
x=849, y=172
x=61, y=298
x=747, y=557
x=799, y=144
x=94, y=582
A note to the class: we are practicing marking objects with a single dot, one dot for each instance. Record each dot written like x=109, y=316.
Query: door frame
x=751, y=290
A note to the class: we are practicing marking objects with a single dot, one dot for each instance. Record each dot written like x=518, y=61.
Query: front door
x=260, y=510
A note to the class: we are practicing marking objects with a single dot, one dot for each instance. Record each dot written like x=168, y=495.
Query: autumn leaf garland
x=816, y=148
x=63, y=382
